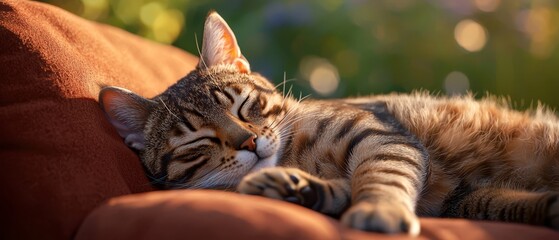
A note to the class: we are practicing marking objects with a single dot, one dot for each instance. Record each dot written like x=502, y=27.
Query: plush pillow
x=222, y=215
x=60, y=157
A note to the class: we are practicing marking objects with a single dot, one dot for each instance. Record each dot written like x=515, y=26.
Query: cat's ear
x=220, y=45
x=128, y=113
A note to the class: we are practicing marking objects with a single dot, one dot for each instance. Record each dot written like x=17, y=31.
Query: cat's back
x=430, y=116
x=480, y=142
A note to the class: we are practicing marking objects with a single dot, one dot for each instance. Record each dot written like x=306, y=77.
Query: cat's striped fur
x=377, y=162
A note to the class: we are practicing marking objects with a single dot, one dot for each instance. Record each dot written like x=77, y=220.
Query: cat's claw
x=382, y=217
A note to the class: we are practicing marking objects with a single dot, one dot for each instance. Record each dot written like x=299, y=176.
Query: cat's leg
x=384, y=193
x=294, y=185
x=537, y=208
x=388, y=166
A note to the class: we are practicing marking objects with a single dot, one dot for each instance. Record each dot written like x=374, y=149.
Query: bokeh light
x=321, y=74
x=541, y=26
x=167, y=26
x=94, y=9
x=470, y=35
x=150, y=11
x=127, y=11
x=456, y=83
x=347, y=62
x=367, y=47
x=487, y=5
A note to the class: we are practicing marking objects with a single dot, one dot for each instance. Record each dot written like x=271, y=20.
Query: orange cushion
x=60, y=157
x=221, y=215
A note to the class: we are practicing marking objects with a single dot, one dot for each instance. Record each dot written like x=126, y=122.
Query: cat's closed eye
x=201, y=140
x=240, y=113
x=250, y=110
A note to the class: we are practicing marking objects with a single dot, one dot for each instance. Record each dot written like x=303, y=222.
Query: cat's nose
x=249, y=144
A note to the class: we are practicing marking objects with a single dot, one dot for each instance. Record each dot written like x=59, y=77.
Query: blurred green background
x=335, y=48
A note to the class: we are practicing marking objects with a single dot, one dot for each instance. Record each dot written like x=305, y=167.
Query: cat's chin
x=267, y=162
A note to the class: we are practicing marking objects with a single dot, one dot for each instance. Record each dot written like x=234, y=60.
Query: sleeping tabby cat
x=377, y=162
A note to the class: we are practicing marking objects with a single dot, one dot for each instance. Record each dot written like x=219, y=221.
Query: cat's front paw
x=383, y=217
x=287, y=184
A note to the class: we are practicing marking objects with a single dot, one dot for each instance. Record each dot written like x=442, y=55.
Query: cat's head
x=212, y=127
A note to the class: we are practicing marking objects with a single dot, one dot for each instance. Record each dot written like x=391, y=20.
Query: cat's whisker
x=283, y=83
x=291, y=132
x=168, y=109
x=198, y=184
x=281, y=107
x=157, y=181
x=285, y=116
x=216, y=181
x=287, y=113
x=289, y=92
x=303, y=98
x=292, y=109
x=291, y=120
x=211, y=179
x=274, y=121
x=289, y=123
x=199, y=52
x=278, y=117
x=286, y=129
x=284, y=122
x=222, y=180
x=285, y=97
x=283, y=91
x=288, y=119
x=202, y=56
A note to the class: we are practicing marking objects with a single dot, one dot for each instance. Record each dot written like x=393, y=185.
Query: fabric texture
x=67, y=174
x=60, y=157
x=222, y=215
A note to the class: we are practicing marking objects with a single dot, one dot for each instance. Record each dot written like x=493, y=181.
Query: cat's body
x=481, y=143
x=375, y=161
x=476, y=144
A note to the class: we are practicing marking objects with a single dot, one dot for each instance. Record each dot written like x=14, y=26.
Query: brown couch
x=67, y=174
